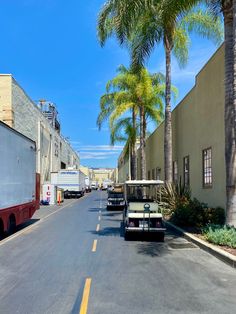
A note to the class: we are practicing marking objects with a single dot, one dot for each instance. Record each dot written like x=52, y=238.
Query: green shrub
x=220, y=235
x=174, y=196
x=197, y=214
x=190, y=214
x=186, y=212
x=215, y=216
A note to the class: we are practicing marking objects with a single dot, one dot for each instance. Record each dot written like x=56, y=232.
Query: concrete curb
x=210, y=248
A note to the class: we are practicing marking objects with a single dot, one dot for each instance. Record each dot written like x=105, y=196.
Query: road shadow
x=94, y=210
x=111, y=214
x=26, y=224
x=108, y=232
x=153, y=249
x=100, y=199
x=107, y=219
x=20, y=227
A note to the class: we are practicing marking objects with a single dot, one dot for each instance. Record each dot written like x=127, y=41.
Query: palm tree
x=226, y=8
x=118, y=99
x=123, y=131
x=141, y=92
x=147, y=23
x=124, y=17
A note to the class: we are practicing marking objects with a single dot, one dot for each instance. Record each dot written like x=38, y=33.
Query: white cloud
x=75, y=142
x=102, y=129
x=100, y=148
x=97, y=155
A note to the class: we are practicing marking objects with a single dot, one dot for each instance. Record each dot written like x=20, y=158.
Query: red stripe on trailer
x=21, y=212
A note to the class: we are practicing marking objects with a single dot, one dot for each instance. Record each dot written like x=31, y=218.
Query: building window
x=153, y=174
x=149, y=175
x=186, y=170
x=207, y=167
x=158, y=173
x=175, y=172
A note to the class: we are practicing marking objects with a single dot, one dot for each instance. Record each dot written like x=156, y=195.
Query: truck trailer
x=19, y=183
x=71, y=181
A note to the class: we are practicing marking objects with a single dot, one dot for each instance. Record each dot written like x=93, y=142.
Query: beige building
x=102, y=174
x=85, y=170
x=38, y=123
x=198, y=138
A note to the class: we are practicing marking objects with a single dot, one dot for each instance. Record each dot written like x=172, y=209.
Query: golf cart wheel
x=161, y=236
x=126, y=236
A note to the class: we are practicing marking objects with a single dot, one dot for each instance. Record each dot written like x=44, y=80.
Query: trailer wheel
x=1, y=229
x=11, y=226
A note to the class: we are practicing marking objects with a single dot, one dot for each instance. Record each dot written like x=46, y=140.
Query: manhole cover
x=187, y=245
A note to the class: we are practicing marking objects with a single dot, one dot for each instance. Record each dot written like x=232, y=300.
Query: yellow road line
x=98, y=227
x=84, y=303
x=94, y=248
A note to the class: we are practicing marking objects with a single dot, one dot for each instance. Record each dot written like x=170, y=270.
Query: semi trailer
x=19, y=183
x=71, y=181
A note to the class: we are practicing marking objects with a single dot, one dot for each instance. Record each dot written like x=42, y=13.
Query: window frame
x=188, y=172
x=204, y=169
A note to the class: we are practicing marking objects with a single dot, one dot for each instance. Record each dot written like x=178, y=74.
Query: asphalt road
x=75, y=260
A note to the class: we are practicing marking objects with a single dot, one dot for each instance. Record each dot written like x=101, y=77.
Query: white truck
x=94, y=185
x=19, y=183
x=106, y=184
x=71, y=181
x=87, y=185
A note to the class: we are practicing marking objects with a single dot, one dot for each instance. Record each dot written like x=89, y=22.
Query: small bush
x=215, y=216
x=174, y=196
x=220, y=235
x=197, y=214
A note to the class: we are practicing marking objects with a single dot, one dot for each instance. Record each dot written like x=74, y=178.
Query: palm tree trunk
x=230, y=109
x=168, y=124
x=133, y=150
x=142, y=144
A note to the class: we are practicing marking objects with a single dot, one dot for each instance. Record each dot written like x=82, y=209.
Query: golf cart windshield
x=115, y=195
x=142, y=191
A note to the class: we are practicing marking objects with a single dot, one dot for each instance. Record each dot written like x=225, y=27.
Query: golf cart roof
x=144, y=182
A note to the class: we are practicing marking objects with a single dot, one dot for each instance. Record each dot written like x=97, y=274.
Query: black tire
x=1, y=229
x=161, y=237
x=11, y=226
x=126, y=236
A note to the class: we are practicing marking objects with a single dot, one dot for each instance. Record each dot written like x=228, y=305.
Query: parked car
x=142, y=212
x=115, y=200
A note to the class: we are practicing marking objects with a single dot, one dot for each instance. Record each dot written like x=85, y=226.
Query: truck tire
x=11, y=225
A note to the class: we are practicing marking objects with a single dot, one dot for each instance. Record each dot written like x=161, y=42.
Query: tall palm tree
x=124, y=17
x=226, y=8
x=123, y=131
x=141, y=92
x=118, y=99
x=147, y=23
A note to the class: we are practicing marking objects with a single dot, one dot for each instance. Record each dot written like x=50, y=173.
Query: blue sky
x=51, y=48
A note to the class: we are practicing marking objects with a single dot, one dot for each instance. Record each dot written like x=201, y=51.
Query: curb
x=224, y=256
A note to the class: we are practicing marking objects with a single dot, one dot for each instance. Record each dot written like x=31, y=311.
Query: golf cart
x=142, y=213
x=115, y=199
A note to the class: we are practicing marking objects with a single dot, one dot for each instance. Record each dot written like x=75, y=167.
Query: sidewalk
x=46, y=210
x=208, y=247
